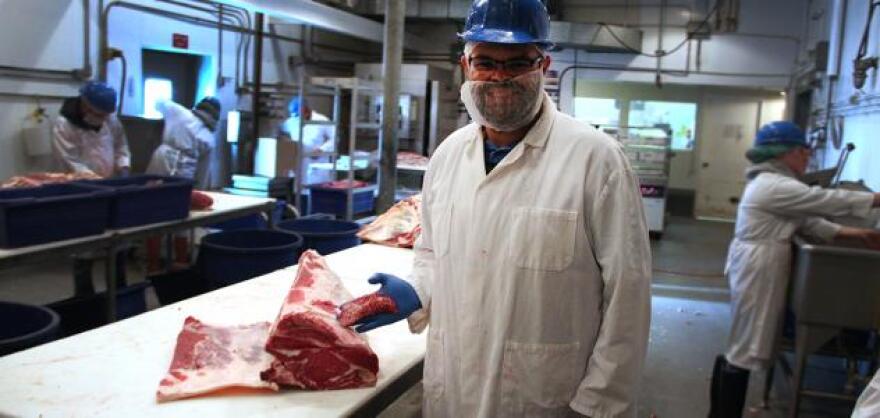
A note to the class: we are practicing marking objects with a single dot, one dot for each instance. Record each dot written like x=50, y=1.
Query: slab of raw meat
x=400, y=226
x=200, y=201
x=312, y=349
x=39, y=179
x=343, y=184
x=209, y=358
x=374, y=303
x=412, y=159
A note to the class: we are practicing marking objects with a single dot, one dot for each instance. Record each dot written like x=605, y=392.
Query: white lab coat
x=317, y=138
x=80, y=150
x=868, y=405
x=535, y=279
x=774, y=206
x=186, y=146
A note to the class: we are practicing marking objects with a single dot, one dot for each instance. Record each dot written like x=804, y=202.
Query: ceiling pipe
x=326, y=17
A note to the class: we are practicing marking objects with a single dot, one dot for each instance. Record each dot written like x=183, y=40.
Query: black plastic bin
x=229, y=257
x=54, y=212
x=26, y=326
x=176, y=286
x=146, y=199
x=82, y=313
x=326, y=236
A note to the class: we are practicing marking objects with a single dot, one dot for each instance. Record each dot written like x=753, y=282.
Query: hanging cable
x=661, y=53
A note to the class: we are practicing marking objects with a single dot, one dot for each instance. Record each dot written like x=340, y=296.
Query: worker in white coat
x=868, y=405
x=316, y=139
x=88, y=138
x=187, y=141
x=774, y=206
x=533, y=266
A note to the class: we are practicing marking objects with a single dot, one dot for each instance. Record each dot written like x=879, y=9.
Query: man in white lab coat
x=533, y=266
x=88, y=138
x=316, y=138
x=187, y=141
x=868, y=405
x=774, y=206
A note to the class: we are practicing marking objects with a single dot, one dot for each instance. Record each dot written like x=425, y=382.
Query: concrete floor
x=689, y=326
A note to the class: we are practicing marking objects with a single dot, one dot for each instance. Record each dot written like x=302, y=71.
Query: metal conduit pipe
x=174, y=16
x=667, y=72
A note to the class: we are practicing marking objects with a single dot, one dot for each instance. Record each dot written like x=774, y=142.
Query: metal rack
x=647, y=148
x=336, y=86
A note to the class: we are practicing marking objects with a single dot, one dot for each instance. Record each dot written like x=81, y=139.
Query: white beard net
x=504, y=105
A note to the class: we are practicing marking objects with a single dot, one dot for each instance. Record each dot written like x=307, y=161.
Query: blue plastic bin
x=256, y=221
x=229, y=257
x=82, y=313
x=329, y=200
x=178, y=285
x=54, y=212
x=146, y=199
x=323, y=235
x=26, y=326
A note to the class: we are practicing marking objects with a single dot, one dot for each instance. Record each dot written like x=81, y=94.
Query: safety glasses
x=511, y=66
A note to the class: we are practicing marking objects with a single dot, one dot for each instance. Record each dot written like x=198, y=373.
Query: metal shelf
x=319, y=122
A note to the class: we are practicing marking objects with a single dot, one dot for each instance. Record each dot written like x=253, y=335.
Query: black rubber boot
x=82, y=277
x=729, y=387
x=714, y=386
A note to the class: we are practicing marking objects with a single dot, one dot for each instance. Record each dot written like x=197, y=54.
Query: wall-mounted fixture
x=862, y=64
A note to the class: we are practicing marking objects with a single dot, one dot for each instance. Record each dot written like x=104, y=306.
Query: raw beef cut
x=400, y=226
x=412, y=159
x=200, y=201
x=209, y=358
x=343, y=184
x=364, y=306
x=39, y=179
x=312, y=349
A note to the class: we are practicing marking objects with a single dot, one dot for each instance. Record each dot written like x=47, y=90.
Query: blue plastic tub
x=146, y=199
x=330, y=200
x=178, y=285
x=26, y=326
x=323, y=235
x=82, y=313
x=256, y=221
x=54, y=212
x=229, y=257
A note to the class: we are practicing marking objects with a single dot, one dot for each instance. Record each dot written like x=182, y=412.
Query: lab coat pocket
x=539, y=379
x=543, y=239
x=433, y=379
x=441, y=228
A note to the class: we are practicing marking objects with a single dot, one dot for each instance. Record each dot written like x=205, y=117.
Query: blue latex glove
x=124, y=172
x=404, y=297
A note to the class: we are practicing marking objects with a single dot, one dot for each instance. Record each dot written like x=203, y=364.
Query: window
x=597, y=111
x=155, y=91
x=680, y=118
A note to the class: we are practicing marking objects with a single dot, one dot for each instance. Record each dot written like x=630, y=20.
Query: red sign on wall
x=180, y=40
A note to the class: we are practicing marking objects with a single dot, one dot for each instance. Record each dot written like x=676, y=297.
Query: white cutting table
x=226, y=207
x=114, y=371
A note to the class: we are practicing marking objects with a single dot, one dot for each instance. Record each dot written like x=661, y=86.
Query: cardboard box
x=275, y=158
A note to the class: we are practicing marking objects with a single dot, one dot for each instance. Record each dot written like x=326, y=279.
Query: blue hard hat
x=508, y=22
x=99, y=95
x=781, y=133
x=296, y=104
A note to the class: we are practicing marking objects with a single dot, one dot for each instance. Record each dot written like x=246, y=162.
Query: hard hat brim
x=498, y=36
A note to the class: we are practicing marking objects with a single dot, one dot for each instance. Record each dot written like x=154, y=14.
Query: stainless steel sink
x=835, y=285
